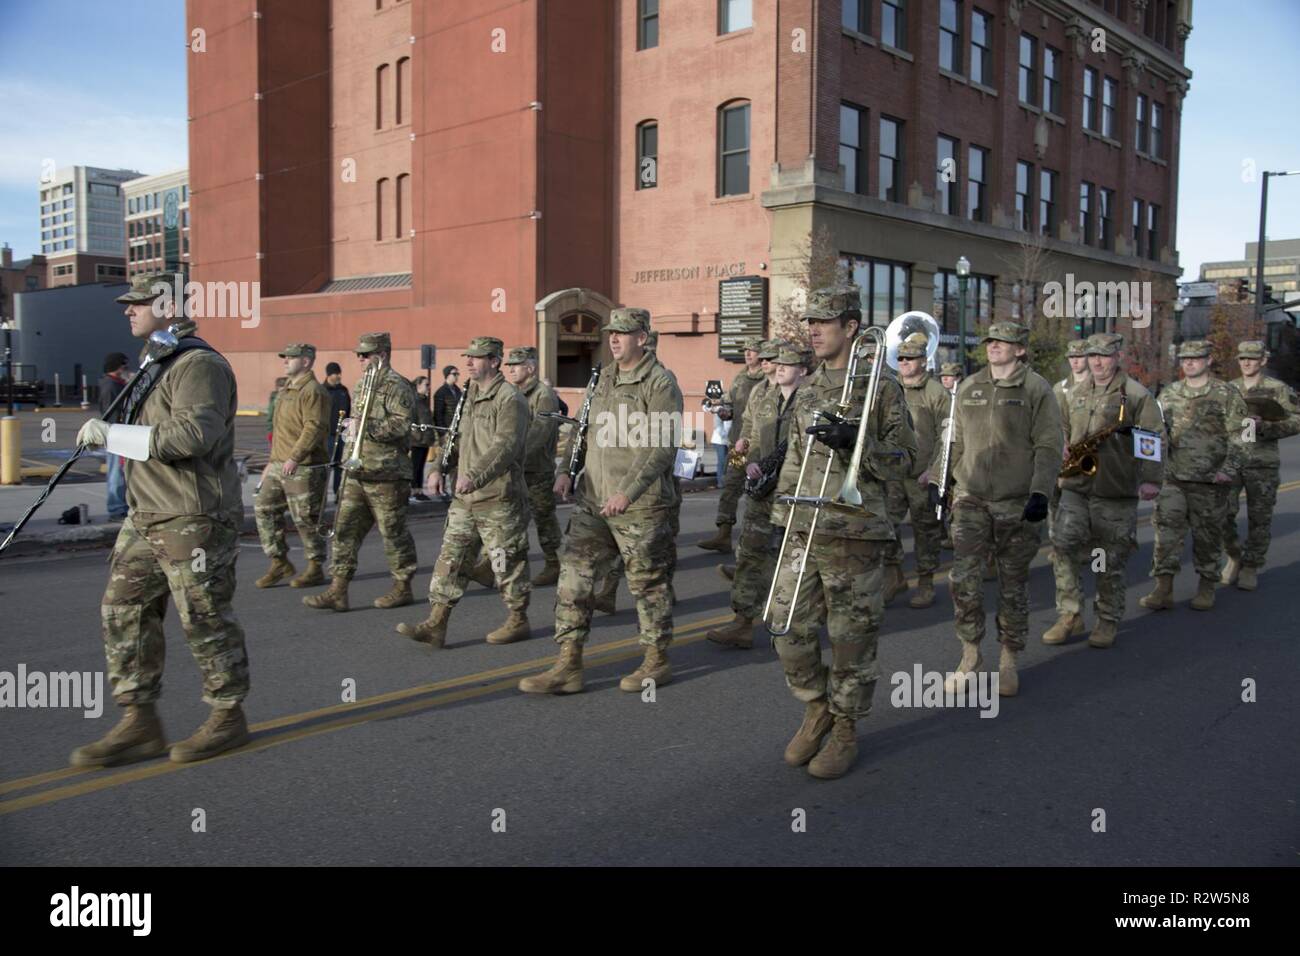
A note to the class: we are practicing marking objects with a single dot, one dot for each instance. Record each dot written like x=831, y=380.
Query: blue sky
x=103, y=84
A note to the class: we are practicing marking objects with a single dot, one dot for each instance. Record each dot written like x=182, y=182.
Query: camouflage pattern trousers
x=541, y=508
x=755, y=559
x=1260, y=485
x=500, y=532
x=905, y=496
x=301, y=495
x=192, y=559
x=982, y=528
x=363, y=505
x=605, y=578
x=733, y=485
x=643, y=541
x=843, y=585
x=1084, y=524
x=1189, y=505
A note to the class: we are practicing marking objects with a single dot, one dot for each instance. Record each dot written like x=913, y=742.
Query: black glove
x=838, y=434
x=1036, y=509
x=935, y=497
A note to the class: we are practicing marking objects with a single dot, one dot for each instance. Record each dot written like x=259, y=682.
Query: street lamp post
x=1259, y=252
x=963, y=275
x=9, y=360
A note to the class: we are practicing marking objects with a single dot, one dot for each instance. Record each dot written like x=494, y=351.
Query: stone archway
x=565, y=321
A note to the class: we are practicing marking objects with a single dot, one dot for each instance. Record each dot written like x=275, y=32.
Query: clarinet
x=578, y=453
x=762, y=486
x=453, y=430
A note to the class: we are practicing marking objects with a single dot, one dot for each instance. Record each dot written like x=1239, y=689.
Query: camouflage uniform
x=842, y=584
x=738, y=395
x=637, y=463
x=1205, y=437
x=1261, y=473
x=298, y=434
x=181, y=537
x=1006, y=447
x=539, y=465
x=1069, y=582
x=493, y=516
x=378, y=492
x=1100, y=511
x=928, y=403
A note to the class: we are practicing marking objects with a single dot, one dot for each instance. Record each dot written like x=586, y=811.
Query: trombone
x=353, y=459
x=848, y=492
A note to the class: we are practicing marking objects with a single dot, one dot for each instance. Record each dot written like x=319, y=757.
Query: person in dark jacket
x=445, y=399
x=116, y=376
x=340, y=401
x=422, y=439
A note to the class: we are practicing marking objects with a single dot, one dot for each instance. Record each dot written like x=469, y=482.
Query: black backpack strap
x=146, y=380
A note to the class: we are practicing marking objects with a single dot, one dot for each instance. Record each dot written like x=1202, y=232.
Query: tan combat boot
x=432, y=630
x=1204, y=599
x=549, y=574
x=334, y=598
x=482, y=574
x=924, y=595
x=728, y=571
x=1066, y=626
x=279, y=570
x=835, y=759
x=137, y=736
x=1103, y=634
x=655, y=667
x=895, y=582
x=739, y=632
x=1246, y=580
x=514, y=629
x=564, y=677
x=970, y=662
x=225, y=729
x=1162, y=598
x=721, y=540
x=313, y=574
x=399, y=595
x=1231, y=569
x=1008, y=679
x=803, y=746
x=606, y=599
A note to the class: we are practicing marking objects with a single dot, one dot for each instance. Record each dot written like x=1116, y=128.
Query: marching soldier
x=296, y=476
x=490, y=506
x=928, y=402
x=842, y=584
x=762, y=393
x=734, y=411
x=625, y=497
x=376, y=492
x=1069, y=580
x=180, y=537
x=1261, y=473
x=1100, y=510
x=1006, y=454
x=1203, y=417
x=950, y=375
x=767, y=425
x=539, y=456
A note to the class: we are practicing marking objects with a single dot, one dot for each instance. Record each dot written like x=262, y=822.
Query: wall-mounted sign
x=713, y=270
x=742, y=312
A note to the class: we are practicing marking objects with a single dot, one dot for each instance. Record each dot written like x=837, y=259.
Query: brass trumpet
x=848, y=492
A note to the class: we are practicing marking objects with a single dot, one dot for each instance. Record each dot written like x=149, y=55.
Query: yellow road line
x=598, y=655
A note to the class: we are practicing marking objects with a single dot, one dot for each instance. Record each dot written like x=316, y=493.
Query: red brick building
x=446, y=170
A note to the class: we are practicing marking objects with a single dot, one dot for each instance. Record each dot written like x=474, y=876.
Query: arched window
x=403, y=206
x=381, y=84
x=381, y=200
x=647, y=155
x=733, y=148
x=403, y=90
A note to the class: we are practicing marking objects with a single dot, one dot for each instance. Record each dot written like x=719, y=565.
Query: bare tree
x=1029, y=264
x=815, y=264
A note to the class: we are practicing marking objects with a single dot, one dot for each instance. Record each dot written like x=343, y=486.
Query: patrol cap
x=298, y=350
x=1252, y=350
x=752, y=343
x=1105, y=343
x=833, y=302
x=521, y=354
x=1076, y=348
x=913, y=346
x=482, y=346
x=1194, y=348
x=625, y=319
x=769, y=349
x=1012, y=332
x=790, y=356
x=950, y=368
x=374, y=342
x=150, y=285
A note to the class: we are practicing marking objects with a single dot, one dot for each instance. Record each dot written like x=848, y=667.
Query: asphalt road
x=439, y=745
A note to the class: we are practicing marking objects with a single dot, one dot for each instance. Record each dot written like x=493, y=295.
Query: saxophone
x=1081, y=457
x=760, y=487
